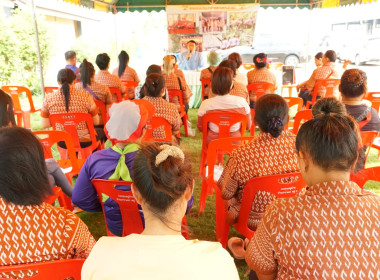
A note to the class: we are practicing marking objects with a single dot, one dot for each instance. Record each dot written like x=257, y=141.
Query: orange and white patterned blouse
x=329, y=231
x=239, y=89
x=104, y=77
x=171, y=81
x=101, y=91
x=41, y=233
x=326, y=71
x=165, y=110
x=264, y=155
x=261, y=75
x=80, y=101
x=129, y=74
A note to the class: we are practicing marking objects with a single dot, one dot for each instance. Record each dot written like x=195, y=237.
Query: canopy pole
x=115, y=24
x=38, y=48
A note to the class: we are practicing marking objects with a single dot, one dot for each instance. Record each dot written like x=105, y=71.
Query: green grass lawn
x=201, y=227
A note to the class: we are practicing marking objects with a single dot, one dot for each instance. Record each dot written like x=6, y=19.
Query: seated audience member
x=238, y=89
x=261, y=74
x=104, y=77
x=353, y=87
x=68, y=99
x=270, y=153
x=321, y=232
x=163, y=184
x=97, y=91
x=154, y=89
x=152, y=69
x=71, y=63
x=34, y=231
x=318, y=63
x=177, y=71
x=221, y=83
x=240, y=77
x=172, y=81
x=326, y=71
x=213, y=59
x=126, y=73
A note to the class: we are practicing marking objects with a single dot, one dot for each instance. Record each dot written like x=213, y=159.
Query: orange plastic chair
x=374, y=97
x=367, y=174
x=329, y=84
x=224, y=120
x=281, y=186
x=117, y=92
x=102, y=108
x=22, y=114
x=50, y=89
x=50, y=137
x=292, y=101
x=290, y=89
x=216, y=150
x=248, y=66
x=50, y=270
x=129, y=84
x=253, y=125
x=64, y=200
x=70, y=122
x=367, y=138
x=205, y=83
x=303, y=115
x=179, y=94
x=157, y=122
x=260, y=88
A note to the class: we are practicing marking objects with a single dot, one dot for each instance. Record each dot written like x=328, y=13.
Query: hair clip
x=168, y=150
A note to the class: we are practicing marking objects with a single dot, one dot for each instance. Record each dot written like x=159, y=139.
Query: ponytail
x=86, y=70
x=123, y=62
x=66, y=77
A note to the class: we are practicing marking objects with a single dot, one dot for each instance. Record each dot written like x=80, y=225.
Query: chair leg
x=26, y=118
x=184, y=229
x=222, y=228
x=203, y=163
x=202, y=200
x=184, y=120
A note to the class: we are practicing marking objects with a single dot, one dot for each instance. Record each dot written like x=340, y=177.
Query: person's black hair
x=70, y=55
x=260, y=60
x=87, y=71
x=175, y=58
x=192, y=41
x=154, y=83
x=221, y=80
x=331, y=55
x=229, y=64
x=66, y=77
x=319, y=55
x=271, y=114
x=153, y=69
x=160, y=186
x=23, y=175
x=330, y=139
x=330, y=104
x=6, y=110
x=123, y=62
x=237, y=58
x=102, y=60
x=353, y=83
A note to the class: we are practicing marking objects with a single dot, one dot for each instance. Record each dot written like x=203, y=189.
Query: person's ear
x=189, y=191
x=136, y=194
x=303, y=161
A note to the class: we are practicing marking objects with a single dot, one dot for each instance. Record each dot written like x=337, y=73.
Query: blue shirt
x=195, y=61
x=73, y=68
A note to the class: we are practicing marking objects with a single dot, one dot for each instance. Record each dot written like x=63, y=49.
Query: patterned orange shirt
x=326, y=71
x=328, y=231
x=261, y=75
x=264, y=155
x=104, y=77
x=129, y=74
x=41, y=233
x=240, y=90
x=80, y=101
x=165, y=110
x=171, y=81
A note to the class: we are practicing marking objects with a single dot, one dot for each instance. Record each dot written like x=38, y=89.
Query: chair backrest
x=102, y=108
x=130, y=214
x=64, y=200
x=367, y=174
x=129, y=84
x=303, y=115
x=329, y=84
x=224, y=120
x=260, y=88
x=178, y=94
x=253, y=125
x=50, y=89
x=367, y=138
x=50, y=270
x=292, y=101
x=117, y=92
x=70, y=122
x=374, y=97
x=248, y=66
x=158, y=125
x=281, y=186
x=205, y=82
x=15, y=91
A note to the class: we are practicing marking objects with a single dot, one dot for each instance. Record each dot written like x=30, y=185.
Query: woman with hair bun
x=154, y=90
x=353, y=87
x=270, y=153
x=322, y=231
x=162, y=184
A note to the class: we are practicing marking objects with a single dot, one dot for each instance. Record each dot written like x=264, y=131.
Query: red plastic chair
x=367, y=138
x=22, y=114
x=155, y=123
x=50, y=137
x=70, y=122
x=216, y=150
x=50, y=89
x=205, y=82
x=102, y=108
x=374, y=97
x=64, y=200
x=129, y=84
x=303, y=115
x=281, y=186
x=116, y=91
x=367, y=174
x=179, y=94
x=50, y=270
x=329, y=84
x=260, y=88
x=292, y=101
x=224, y=120
x=253, y=125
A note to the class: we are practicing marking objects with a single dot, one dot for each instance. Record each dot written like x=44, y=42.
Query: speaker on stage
x=288, y=75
